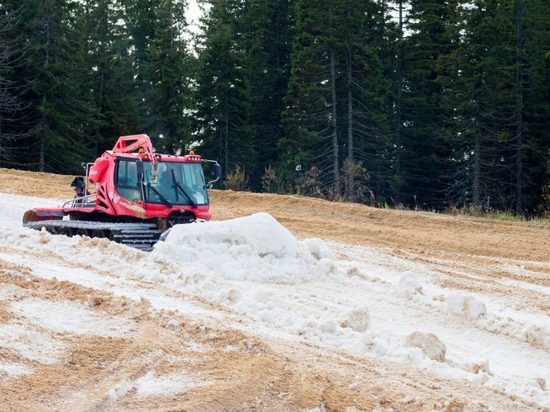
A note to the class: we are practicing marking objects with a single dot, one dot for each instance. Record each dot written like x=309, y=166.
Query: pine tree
x=168, y=71
x=493, y=134
x=368, y=102
x=481, y=100
x=268, y=41
x=310, y=117
x=426, y=153
x=56, y=113
x=532, y=108
x=10, y=93
x=223, y=105
x=337, y=101
x=118, y=109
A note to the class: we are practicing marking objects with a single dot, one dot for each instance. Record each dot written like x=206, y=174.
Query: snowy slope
x=253, y=275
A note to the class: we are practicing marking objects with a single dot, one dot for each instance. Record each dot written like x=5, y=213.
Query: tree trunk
x=476, y=198
x=398, y=108
x=42, y=154
x=335, y=163
x=42, y=161
x=519, y=108
x=350, y=171
x=226, y=140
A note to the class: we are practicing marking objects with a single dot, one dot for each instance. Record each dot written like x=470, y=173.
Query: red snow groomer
x=137, y=195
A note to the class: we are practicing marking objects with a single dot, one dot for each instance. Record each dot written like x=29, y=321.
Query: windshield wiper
x=178, y=186
x=166, y=202
x=161, y=197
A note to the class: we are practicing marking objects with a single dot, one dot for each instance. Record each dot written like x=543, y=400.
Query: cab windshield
x=173, y=183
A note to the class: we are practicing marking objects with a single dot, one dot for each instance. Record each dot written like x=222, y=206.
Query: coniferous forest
x=430, y=104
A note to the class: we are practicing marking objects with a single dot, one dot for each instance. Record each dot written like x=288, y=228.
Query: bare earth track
x=229, y=364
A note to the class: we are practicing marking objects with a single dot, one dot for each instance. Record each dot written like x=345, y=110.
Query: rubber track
x=141, y=236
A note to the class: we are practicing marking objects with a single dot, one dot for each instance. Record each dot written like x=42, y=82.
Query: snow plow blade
x=35, y=215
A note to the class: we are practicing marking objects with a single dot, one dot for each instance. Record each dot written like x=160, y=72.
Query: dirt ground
x=274, y=374
x=421, y=232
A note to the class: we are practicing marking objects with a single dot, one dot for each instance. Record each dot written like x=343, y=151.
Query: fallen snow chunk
x=232, y=295
x=537, y=337
x=466, y=306
x=319, y=249
x=541, y=382
x=479, y=367
x=328, y=326
x=357, y=319
x=428, y=343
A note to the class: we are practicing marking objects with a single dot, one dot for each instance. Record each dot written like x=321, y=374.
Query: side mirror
x=217, y=172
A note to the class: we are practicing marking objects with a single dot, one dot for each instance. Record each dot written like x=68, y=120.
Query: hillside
x=351, y=308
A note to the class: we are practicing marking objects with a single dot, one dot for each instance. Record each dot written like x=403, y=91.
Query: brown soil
x=420, y=232
x=252, y=372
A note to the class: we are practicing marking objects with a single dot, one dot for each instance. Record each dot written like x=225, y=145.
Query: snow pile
x=429, y=344
x=68, y=317
x=255, y=247
x=466, y=306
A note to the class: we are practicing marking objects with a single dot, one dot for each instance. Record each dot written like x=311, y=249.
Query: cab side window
x=127, y=180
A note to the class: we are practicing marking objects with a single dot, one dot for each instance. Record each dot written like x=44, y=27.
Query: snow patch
x=256, y=248
x=30, y=344
x=68, y=317
x=537, y=337
x=14, y=370
x=409, y=280
x=357, y=319
x=428, y=343
x=466, y=306
x=152, y=385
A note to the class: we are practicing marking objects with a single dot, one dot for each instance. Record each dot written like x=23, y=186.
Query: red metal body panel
x=110, y=202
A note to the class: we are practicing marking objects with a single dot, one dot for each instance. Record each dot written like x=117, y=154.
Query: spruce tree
x=426, y=152
x=119, y=109
x=223, y=105
x=168, y=73
x=310, y=117
x=268, y=42
x=56, y=112
x=10, y=93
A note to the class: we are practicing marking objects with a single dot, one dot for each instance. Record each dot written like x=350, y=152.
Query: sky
x=193, y=14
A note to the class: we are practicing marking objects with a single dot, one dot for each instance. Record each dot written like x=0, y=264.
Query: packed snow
x=13, y=370
x=255, y=248
x=152, y=385
x=358, y=299
x=68, y=317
